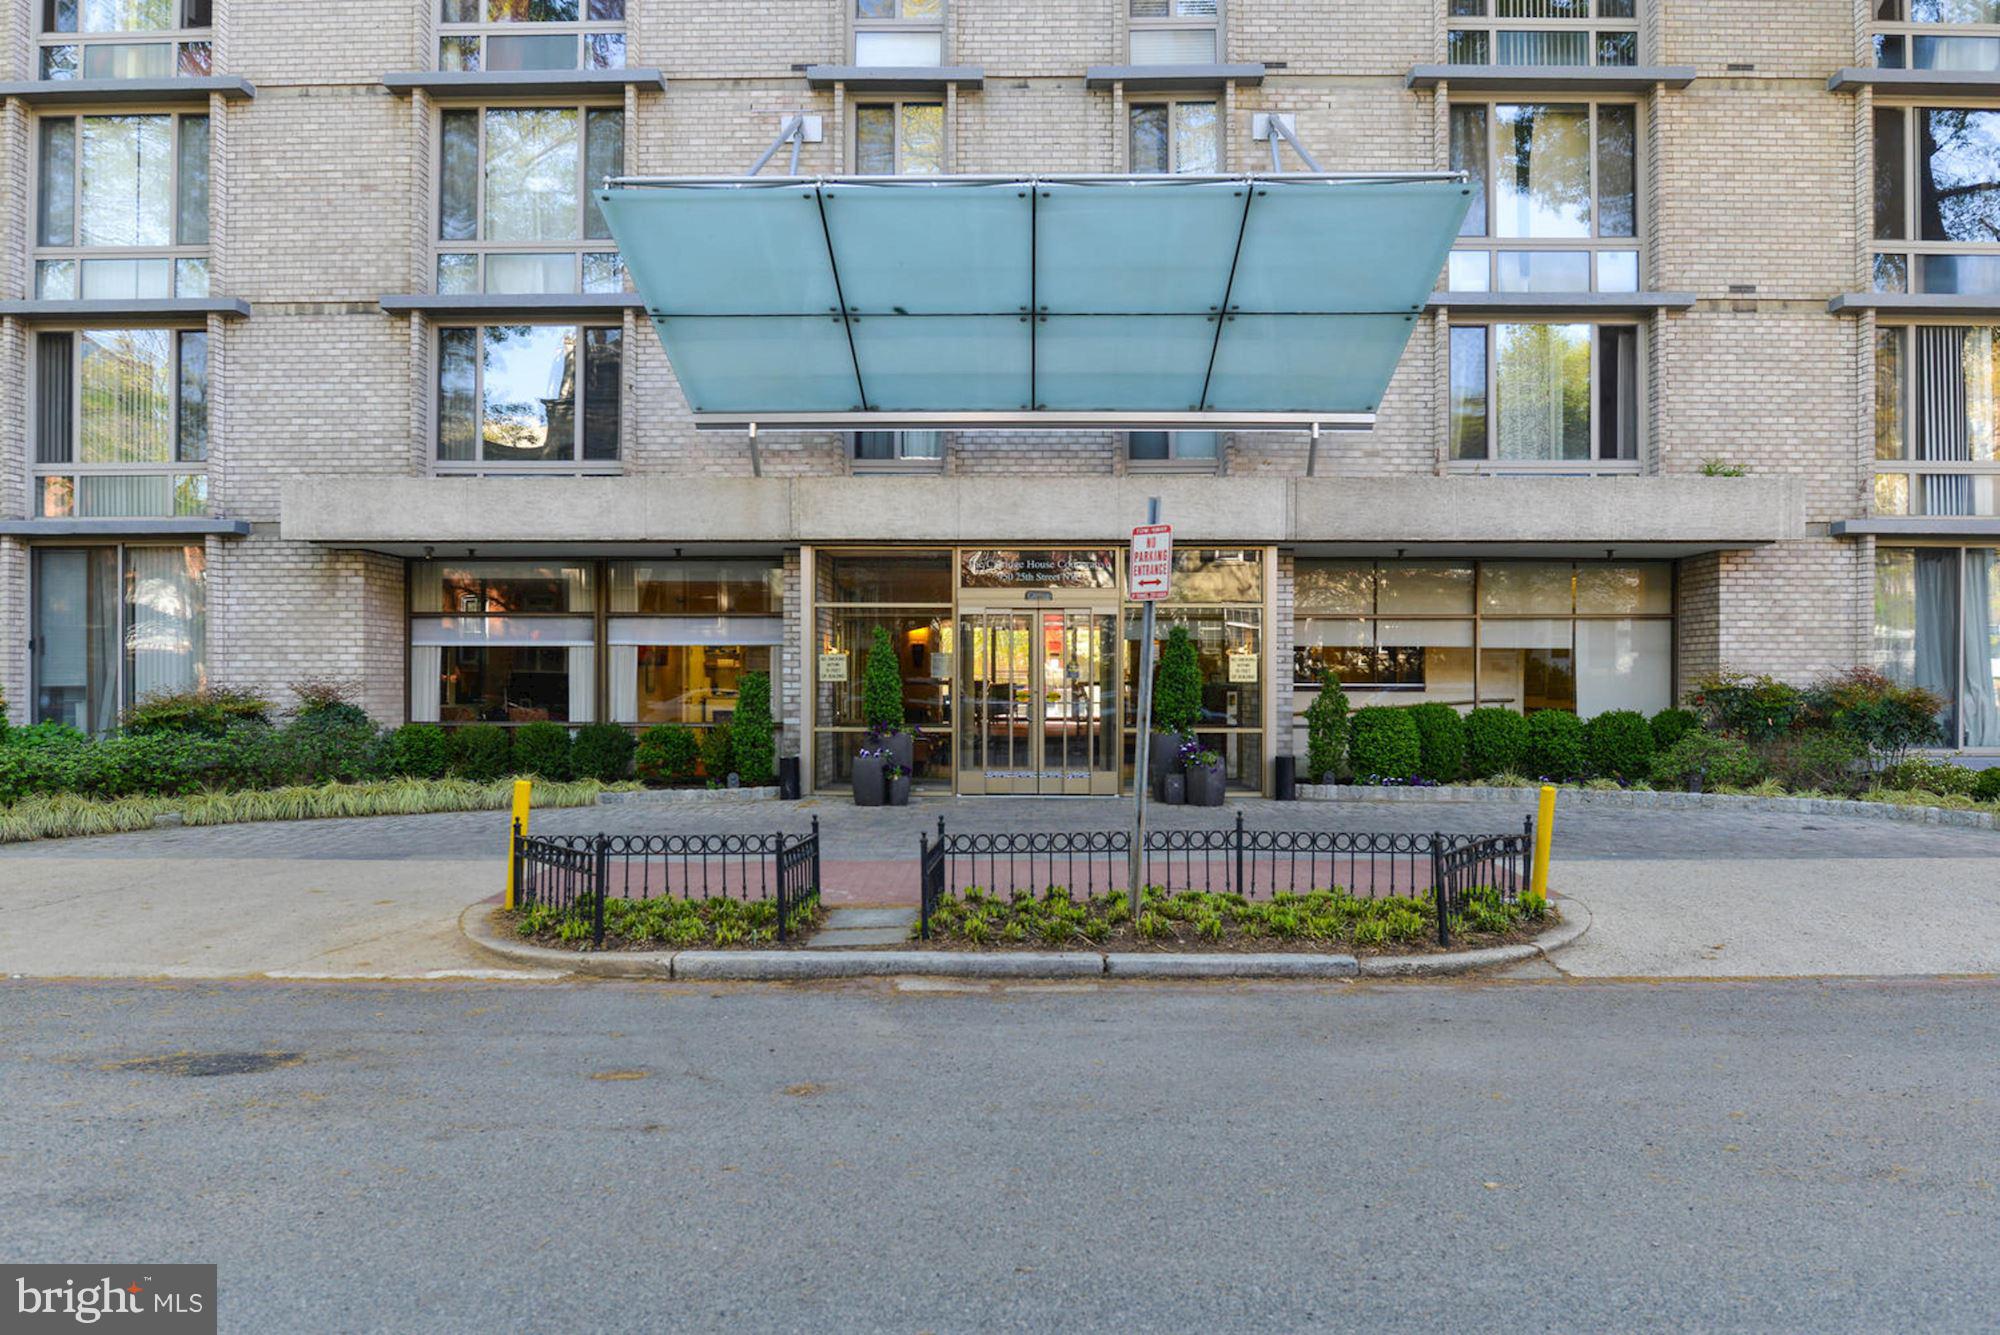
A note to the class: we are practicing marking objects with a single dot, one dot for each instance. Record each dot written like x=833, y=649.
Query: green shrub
x=602, y=751
x=1928, y=774
x=482, y=752
x=1817, y=760
x=1883, y=717
x=1384, y=744
x=419, y=751
x=330, y=696
x=13, y=774
x=45, y=734
x=752, y=745
x=1986, y=788
x=254, y=755
x=207, y=712
x=542, y=750
x=1177, y=686
x=1326, y=731
x=1554, y=748
x=881, y=685
x=1670, y=725
x=332, y=746
x=667, y=755
x=1753, y=708
x=1720, y=762
x=1495, y=741
x=1440, y=742
x=718, y=752
x=1618, y=744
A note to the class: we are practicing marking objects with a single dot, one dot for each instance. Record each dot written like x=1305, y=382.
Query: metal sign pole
x=1142, y=746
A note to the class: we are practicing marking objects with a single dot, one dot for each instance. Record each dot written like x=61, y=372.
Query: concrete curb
x=769, y=793
x=795, y=965
x=1524, y=799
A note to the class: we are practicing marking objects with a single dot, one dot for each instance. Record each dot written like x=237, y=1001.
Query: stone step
x=851, y=938
x=891, y=917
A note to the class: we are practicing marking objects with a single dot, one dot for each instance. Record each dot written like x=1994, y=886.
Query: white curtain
x=624, y=675
x=165, y=636
x=1943, y=429
x=1982, y=691
x=426, y=665
x=582, y=683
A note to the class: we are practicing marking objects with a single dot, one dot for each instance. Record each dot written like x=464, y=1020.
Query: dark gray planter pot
x=1163, y=758
x=899, y=791
x=1174, y=790
x=869, y=789
x=1204, y=785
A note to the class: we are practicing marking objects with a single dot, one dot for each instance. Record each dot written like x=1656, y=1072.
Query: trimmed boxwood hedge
x=1495, y=741
x=1555, y=745
x=1440, y=742
x=1618, y=744
x=1384, y=744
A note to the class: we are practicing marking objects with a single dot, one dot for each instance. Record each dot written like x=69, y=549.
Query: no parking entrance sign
x=1151, y=570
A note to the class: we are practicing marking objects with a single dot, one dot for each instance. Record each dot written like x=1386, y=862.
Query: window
x=121, y=423
x=1217, y=595
x=1543, y=32
x=523, y=397
x=113, y=625
x=502, y=641
x=1176, y=138
x=516, y=212
x=899, y=138
x=1167, y=448
x=1937, y=34
x=126, y=39
x=121, y=207
x=1583, y=636
x=1532, y=393
x=899, y=32
x=1176, y=32
x=531, y=34
x=682, y=634
x=1937, y=190
x=907, y=593
x=1937, y=625
x=1555, y=197
x=890, y=450
x=1937, y=420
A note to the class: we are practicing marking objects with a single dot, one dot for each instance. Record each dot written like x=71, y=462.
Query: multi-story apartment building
x=316, y=358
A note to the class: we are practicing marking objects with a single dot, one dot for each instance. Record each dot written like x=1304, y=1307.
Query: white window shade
x=502, y=632
x=1427, y=634
x=1327, y=634
x=1173, y=46
x=1623, y=665
x=1539, y=634
x=899, y=48
x=697, y=630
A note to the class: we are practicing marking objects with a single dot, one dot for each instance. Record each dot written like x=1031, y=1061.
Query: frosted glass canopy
x=1246, y=301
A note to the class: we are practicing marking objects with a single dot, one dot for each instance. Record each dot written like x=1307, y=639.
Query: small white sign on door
x=833, y=666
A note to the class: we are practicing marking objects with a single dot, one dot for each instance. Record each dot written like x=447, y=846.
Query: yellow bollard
x=519, y=823
x=1545, y=828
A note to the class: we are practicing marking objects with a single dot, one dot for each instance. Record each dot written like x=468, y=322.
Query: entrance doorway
x=1038, y=699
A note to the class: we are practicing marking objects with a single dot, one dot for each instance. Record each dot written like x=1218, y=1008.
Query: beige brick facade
x=1753, y=198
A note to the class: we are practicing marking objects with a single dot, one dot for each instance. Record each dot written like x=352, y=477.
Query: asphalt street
x=1782, y=1156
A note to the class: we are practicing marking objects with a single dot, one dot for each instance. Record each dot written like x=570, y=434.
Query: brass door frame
x=1100, y=614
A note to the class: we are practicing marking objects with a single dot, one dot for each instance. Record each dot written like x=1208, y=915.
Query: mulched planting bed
x=667, y=924
x=1197, y=922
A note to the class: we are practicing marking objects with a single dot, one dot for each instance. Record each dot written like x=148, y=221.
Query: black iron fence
x=575, y=873
x=1234, y=860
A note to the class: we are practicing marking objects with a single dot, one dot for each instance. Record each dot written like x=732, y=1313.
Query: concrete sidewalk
x=1675, y=894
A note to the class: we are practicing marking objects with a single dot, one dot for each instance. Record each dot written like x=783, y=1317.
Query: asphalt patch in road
x=199, y=1065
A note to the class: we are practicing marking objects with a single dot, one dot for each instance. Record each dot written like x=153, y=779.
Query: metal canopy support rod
x=757, y=460
x=1274, y=126
x=1312, y=450
x=799, y=128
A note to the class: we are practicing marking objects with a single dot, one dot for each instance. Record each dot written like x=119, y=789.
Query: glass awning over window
x=1235, y=302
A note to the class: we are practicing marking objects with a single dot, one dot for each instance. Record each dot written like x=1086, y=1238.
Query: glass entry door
x=1037, y=712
